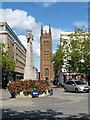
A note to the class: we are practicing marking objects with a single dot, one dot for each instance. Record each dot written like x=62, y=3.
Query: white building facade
x=65, y=73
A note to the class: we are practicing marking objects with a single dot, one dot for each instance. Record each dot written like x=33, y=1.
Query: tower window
x=46, y=72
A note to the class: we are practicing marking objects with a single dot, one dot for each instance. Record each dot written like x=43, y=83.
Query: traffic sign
x=35, y=93
x=4, y=73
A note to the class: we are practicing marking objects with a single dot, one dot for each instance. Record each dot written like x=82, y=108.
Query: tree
x=58, y=58
x=79, y=51
x=7, y=62
x=76, y=52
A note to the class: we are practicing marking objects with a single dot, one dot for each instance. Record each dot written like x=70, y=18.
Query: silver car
x=76, y=85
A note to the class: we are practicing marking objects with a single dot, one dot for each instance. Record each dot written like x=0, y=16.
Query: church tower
x=46, y=67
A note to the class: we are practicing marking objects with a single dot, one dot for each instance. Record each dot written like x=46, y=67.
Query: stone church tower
x=46, y=66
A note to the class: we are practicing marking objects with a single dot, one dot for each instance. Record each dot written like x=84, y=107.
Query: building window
x=1, y=27
x=8, y=44
x=46, y=72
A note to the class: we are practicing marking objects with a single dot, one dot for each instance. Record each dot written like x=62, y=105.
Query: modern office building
x=16, y=50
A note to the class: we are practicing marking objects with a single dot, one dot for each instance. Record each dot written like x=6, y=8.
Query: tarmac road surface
x=60, y=106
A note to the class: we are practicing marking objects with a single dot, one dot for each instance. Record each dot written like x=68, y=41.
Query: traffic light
x=4, y=78
x=4, y=70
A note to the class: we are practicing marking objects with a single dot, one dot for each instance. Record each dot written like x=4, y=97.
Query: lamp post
x=69, y=70
x=69, y=67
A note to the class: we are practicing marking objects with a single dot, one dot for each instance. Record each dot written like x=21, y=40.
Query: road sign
x=35, y=93
x=4, y=73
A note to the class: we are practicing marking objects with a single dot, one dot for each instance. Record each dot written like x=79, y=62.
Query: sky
x=62, y=16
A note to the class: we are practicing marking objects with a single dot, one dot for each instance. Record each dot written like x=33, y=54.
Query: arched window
x=46, y=72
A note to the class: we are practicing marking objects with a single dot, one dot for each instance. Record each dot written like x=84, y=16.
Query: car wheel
x=76, y=90
x=65, y=89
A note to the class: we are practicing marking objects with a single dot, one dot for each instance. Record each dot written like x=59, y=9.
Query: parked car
x=76, y=85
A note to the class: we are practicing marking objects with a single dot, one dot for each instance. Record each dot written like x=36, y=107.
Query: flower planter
x=21, y=95
x=28, y=87
x=42, y=95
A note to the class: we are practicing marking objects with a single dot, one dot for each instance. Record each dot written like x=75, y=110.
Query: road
x=60, y=106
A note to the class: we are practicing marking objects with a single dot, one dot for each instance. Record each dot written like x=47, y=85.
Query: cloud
x=18, y=19
x=36, y=48
x=80, y=23
x=55, y=32
x=36, y=41
x=23, y=39
x=36, y=45
x=46, y=4
x=21, y=21
x=54, y=52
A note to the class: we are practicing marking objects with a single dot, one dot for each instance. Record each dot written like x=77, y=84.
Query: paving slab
x=4, y=94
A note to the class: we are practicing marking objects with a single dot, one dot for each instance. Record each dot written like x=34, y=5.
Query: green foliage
x=76, y=52
x=58, y=58
x=79, y=51
x=7, y=62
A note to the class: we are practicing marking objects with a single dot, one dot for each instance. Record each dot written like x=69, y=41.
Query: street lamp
x=69, y=67
x=69, y=70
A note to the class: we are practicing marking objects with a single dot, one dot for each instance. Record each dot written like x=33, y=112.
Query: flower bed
x=27, y=87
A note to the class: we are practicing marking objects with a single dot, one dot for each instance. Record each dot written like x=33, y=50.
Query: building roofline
x=65, y=33
x=5, y=23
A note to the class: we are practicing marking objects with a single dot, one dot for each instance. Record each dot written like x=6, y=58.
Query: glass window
x=68, y=83
x=1, y=27
x=79, y=82
x=71, y=82
x=1, y=38
x=8, y=44
x=15, y=40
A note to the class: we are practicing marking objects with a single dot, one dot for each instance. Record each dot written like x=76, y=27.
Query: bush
x=28, y=86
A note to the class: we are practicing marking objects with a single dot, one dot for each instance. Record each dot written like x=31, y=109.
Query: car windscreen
x=79, y=82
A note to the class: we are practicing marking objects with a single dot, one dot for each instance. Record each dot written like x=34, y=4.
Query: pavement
x=60, y=106
x=4, y=94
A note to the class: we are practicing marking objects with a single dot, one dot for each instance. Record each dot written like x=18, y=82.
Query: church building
x=46, y=66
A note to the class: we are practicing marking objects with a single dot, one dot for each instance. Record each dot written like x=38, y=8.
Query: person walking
x=51, y=90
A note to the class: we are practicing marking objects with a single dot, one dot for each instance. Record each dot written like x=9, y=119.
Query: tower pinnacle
x=50, y=30
x=41, y=29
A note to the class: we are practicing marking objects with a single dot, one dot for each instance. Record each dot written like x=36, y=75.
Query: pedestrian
x=51, y=91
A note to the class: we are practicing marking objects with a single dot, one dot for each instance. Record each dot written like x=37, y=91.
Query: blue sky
x=62, y=16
